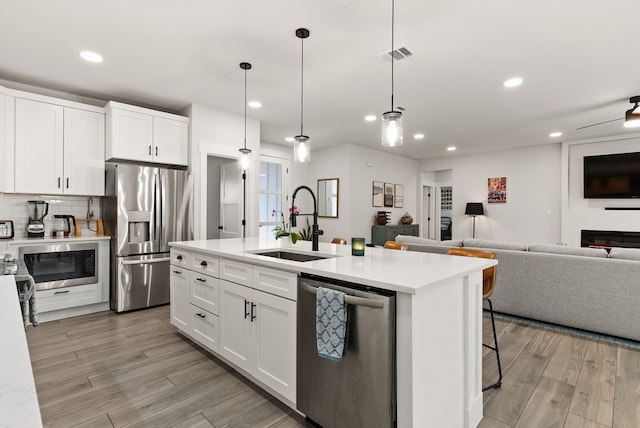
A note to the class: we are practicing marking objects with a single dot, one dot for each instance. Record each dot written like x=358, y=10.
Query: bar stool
x=341, y=241
x=393, y=245
x=488, y=285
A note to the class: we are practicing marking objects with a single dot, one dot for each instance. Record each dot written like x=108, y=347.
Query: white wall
x=357, y=167
x=218, y=133
x=532, y=210
x=590, y=214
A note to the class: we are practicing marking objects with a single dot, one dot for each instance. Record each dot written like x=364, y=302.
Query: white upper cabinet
x=7, y=136
x=83, y=152
x=58, y=150
x=39, y=147
x=171, y=141
x=139, y=134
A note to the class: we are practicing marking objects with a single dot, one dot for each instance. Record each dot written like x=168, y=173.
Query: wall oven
x=61, y=265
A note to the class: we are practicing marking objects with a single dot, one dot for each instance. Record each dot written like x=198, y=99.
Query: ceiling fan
x=631, y=118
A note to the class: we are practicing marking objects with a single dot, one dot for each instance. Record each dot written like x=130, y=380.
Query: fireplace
x=609, y=238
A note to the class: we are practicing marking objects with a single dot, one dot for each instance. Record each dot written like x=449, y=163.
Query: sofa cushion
x=570, y=251
x=498, y=245
x=417, y=240
x=625, y=253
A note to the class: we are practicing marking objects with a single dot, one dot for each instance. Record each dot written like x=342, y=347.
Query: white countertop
x=402, y=271
x=18, y=398
x=50, y=239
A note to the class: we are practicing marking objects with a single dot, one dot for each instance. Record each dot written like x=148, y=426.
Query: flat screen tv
x=612, y=176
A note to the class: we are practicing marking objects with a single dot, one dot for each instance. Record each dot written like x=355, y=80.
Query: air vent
x=398, y=54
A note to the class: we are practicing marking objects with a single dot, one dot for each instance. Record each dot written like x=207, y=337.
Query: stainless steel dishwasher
x=360, y=389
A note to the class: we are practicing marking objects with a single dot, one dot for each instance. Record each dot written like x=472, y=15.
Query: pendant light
x=392, y=119
x=301, y=147
x=632, y=116
x=244, y=162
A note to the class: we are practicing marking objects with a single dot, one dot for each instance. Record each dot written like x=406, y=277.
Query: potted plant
x=281, y=231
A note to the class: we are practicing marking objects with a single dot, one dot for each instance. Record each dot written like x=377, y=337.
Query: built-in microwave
x=61, y=265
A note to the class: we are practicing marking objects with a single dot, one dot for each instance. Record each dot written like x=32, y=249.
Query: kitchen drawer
x=180, y=258
x=68, y=297
x=206, y=265
x=277, y=282
x=239, y=273
x=205, y=292
x=205, y=327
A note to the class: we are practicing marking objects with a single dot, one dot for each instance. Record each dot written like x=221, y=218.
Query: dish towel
x=331, y=323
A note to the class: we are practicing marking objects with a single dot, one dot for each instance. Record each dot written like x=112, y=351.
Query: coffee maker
x=37, y=210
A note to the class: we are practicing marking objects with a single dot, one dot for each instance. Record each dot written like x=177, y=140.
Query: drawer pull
x=201, y=279
x=61, y=292
x=201, y=315
x=179, y=257
x=178, y=272
x=203, y=263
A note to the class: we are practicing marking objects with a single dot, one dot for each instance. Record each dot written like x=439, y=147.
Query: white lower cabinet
x=68, y=297
x=236, y=324
x=179, y=297
x=245, y=314
x=258, y=334
x=205, y=327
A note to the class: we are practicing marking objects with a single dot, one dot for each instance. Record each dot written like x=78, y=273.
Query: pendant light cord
x=245, y=109
x=393, y=11
x=302, y=87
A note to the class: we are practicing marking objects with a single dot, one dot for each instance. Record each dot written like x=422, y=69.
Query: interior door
x=230, y=201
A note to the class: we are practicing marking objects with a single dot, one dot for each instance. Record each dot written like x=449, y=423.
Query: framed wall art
x=497, y=190
x=388, y=194
x=377, y=194
x=399, y=196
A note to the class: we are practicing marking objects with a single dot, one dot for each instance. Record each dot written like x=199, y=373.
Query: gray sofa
x=585, y=288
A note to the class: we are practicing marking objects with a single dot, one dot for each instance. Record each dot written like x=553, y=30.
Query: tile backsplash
x=14, y=207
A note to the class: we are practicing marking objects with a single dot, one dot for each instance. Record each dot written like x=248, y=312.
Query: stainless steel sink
x=290, y=255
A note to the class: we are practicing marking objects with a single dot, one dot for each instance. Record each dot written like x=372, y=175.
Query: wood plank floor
x=135, y=370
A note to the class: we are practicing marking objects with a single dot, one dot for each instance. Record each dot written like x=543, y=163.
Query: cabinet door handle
x=179, y=257
x=201, y=280
x=156, y=150
x=149, y=150
x=61, y=292
x=253, y=305
x=58, y=182
x=67, y=182
x=246, y=313
x=201, y=315
x=178, y=272
x=203, y=263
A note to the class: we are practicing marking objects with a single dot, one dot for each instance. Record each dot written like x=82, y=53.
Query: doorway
x=222, y=183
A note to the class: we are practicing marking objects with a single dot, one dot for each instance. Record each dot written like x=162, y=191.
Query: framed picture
x=377, y=194
x=497, y=190
x=399, y=200
x=388, y=194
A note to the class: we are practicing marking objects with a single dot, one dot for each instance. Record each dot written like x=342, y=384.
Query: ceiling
x=576, y=58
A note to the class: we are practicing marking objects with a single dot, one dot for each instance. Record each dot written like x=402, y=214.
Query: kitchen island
x=438, y=317
x=18, y=398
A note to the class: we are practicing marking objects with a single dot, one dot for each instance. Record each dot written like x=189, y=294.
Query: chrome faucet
x=315, y=231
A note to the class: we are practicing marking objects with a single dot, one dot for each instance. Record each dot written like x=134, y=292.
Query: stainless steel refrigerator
x=144, y=208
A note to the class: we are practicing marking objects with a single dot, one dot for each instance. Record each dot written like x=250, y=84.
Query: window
x=272, y=198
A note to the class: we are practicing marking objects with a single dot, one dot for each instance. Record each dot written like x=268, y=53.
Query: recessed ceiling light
x=555, y=134
x=418, y=136
x=451, y=148
x=289, y=139
x=513, y=82
x=91, y=56
x=370, y=118
x=254, y=104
